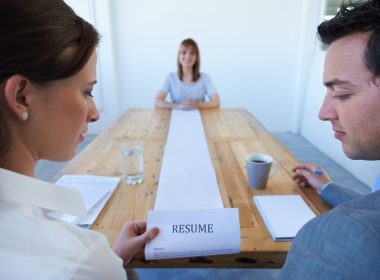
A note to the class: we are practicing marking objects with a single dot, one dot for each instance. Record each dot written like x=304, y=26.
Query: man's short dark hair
x=355, y=18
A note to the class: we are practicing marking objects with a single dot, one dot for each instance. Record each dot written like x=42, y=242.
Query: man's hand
x=305, y=176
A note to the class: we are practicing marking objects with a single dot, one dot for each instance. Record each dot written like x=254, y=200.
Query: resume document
x=189, y=233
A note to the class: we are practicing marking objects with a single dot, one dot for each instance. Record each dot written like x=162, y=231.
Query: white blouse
x=33, y=246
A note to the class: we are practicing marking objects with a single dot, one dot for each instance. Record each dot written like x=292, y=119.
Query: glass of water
x=132, y=162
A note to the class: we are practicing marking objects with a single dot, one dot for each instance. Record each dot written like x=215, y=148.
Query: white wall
x=250, y=49
x=312, y=13
x=106, y=92
x=261, y=55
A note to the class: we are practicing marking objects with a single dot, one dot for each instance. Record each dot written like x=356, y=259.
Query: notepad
x=95, y=192
x=283, y=215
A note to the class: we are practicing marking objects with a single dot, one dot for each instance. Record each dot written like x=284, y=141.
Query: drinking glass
x=132, y=162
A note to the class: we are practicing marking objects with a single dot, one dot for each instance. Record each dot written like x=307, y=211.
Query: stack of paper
x=95, y=192
x=189, y=208
x=187, y=169
x=283, y=215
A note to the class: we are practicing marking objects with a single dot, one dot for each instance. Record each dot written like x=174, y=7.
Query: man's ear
x=16, y=94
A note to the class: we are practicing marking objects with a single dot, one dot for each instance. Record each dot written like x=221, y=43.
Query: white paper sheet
x=283, y=215
x=95, y=191
x=187, y=178
x=193, y=233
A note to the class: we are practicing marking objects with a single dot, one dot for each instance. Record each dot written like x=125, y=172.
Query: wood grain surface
x=231, y=135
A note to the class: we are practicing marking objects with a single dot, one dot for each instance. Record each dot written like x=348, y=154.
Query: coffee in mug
x=258, y=170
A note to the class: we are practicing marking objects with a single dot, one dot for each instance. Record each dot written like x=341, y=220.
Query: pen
x=318, y=172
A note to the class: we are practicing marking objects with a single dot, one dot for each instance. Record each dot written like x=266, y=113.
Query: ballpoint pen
x=318, y=172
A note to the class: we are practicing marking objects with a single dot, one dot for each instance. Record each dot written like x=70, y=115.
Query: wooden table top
x=231, y=135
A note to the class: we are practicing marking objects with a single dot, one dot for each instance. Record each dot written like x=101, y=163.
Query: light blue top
x=180, y=91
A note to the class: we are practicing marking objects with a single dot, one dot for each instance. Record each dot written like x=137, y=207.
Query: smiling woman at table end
x=188, y=87
x=47, y=73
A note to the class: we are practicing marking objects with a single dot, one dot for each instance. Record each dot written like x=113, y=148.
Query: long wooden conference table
x=231, y=135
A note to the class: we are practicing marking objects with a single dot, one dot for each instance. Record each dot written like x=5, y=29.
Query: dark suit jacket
x=341, y=244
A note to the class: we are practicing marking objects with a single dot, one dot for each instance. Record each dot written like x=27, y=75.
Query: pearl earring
x=24, y=116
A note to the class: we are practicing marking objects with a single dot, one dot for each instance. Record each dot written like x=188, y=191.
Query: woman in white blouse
x=188, y=87
x=47, y=73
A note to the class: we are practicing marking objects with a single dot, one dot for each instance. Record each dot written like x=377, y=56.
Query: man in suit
x=345, y=242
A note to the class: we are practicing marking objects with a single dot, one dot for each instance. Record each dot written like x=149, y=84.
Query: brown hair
x=35, y=36
x=196, y=72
